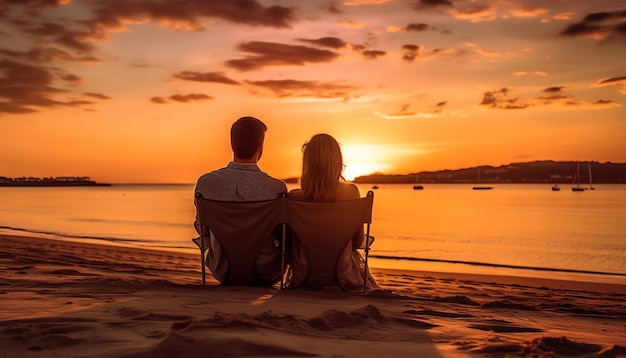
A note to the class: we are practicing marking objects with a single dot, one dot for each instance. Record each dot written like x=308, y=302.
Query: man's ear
x=259, y=152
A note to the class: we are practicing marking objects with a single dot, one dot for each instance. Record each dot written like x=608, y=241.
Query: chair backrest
x=241, y=229
x=324, y=229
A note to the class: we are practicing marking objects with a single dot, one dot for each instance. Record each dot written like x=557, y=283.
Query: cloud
x=417, y=27
x=332, y=42
x=71, y=35
x=554, y=89
x=476, y=12
x=217, y=77
x=564, y=15
x=52, y=39
x=602, y=26
x=25, y=88
x=611, y=80
x=68, y=77
x=365, y=2
x=373, y=54
x=599, y=104
x=190, y=97
x=158, y=100
x=552, y=96
x=97, y=95
x=405, y=113
x=428, y=4
x=296, y=88
x=275, y=54
x=351, y=24
x=412, y=52
x=333, y=8
x=337, y=43
x=525, y=73
x=439, y=106
x=482, y=51
x=47, y=55
x=41, y=3
x=500, y=99
x=182, y=98
x=529, y=12
x=105, y=16
x=619, y=82
x=187, y=15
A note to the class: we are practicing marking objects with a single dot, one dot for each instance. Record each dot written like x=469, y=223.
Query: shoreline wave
x=143, y=244
x=487, y=264
x=101, y=239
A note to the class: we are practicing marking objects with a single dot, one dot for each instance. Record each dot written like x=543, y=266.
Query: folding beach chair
x=324, y=230
x=241, y=228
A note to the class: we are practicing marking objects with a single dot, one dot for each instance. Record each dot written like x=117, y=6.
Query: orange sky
x=146, y=90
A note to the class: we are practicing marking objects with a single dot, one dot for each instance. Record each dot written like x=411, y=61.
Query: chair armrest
x=197, y=242
x=367, y=243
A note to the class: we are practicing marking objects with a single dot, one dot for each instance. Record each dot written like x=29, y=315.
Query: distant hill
x=530, y=172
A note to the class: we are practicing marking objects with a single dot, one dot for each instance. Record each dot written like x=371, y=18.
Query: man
x=242, y=180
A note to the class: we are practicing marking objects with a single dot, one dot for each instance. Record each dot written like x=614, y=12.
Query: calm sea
x=525, y=230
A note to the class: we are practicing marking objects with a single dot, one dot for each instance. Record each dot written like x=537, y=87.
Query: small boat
x=375, y=187
x=555, y=188
x=481, y=187
x=577, y=179
x=417, y=180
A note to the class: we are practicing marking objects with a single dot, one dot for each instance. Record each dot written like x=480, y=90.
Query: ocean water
x=514, y=229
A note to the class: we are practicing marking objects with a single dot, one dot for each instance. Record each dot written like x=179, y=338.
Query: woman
x=321, y=180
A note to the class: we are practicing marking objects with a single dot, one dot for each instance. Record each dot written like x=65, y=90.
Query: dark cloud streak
x=500, y=99
x=331, y=42
x=24, y=88
x=417, y=27
x=428, y=4
x=373, y=54
x=601, y=25
x=275, y=54
x=217, y=77
x=296, y=88
x=190, y=97
x=97, y=95
x=612, y=80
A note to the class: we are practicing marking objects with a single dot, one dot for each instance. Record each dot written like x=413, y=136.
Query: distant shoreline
x=49, y=182
x=539, y=172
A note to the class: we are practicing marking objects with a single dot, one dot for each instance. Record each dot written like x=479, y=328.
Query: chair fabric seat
x=323, y=228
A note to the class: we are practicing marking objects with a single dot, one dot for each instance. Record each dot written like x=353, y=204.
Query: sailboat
x=577, y=179
x=417, y=180
x=480, y=187
x=590, y=183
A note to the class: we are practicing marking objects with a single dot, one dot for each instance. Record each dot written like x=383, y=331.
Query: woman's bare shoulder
x=349, y=191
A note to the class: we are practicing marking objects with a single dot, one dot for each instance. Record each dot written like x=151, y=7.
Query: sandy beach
x=71, y=299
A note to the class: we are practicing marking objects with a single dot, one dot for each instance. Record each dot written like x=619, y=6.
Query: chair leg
x=283, y=253
x=202, y=256
x=367, y=251
x=203, y=268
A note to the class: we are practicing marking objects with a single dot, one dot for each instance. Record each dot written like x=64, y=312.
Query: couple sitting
x=321, y=180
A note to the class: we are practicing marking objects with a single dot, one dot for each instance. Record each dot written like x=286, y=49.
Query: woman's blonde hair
x=322, y=164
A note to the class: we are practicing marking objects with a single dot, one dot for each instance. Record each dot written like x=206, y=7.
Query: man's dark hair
x=246, y=135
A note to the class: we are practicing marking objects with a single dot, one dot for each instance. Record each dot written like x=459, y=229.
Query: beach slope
x=72, y=299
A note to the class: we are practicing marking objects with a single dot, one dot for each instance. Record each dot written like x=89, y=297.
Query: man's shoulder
x=276, y=180
x=213, y=175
